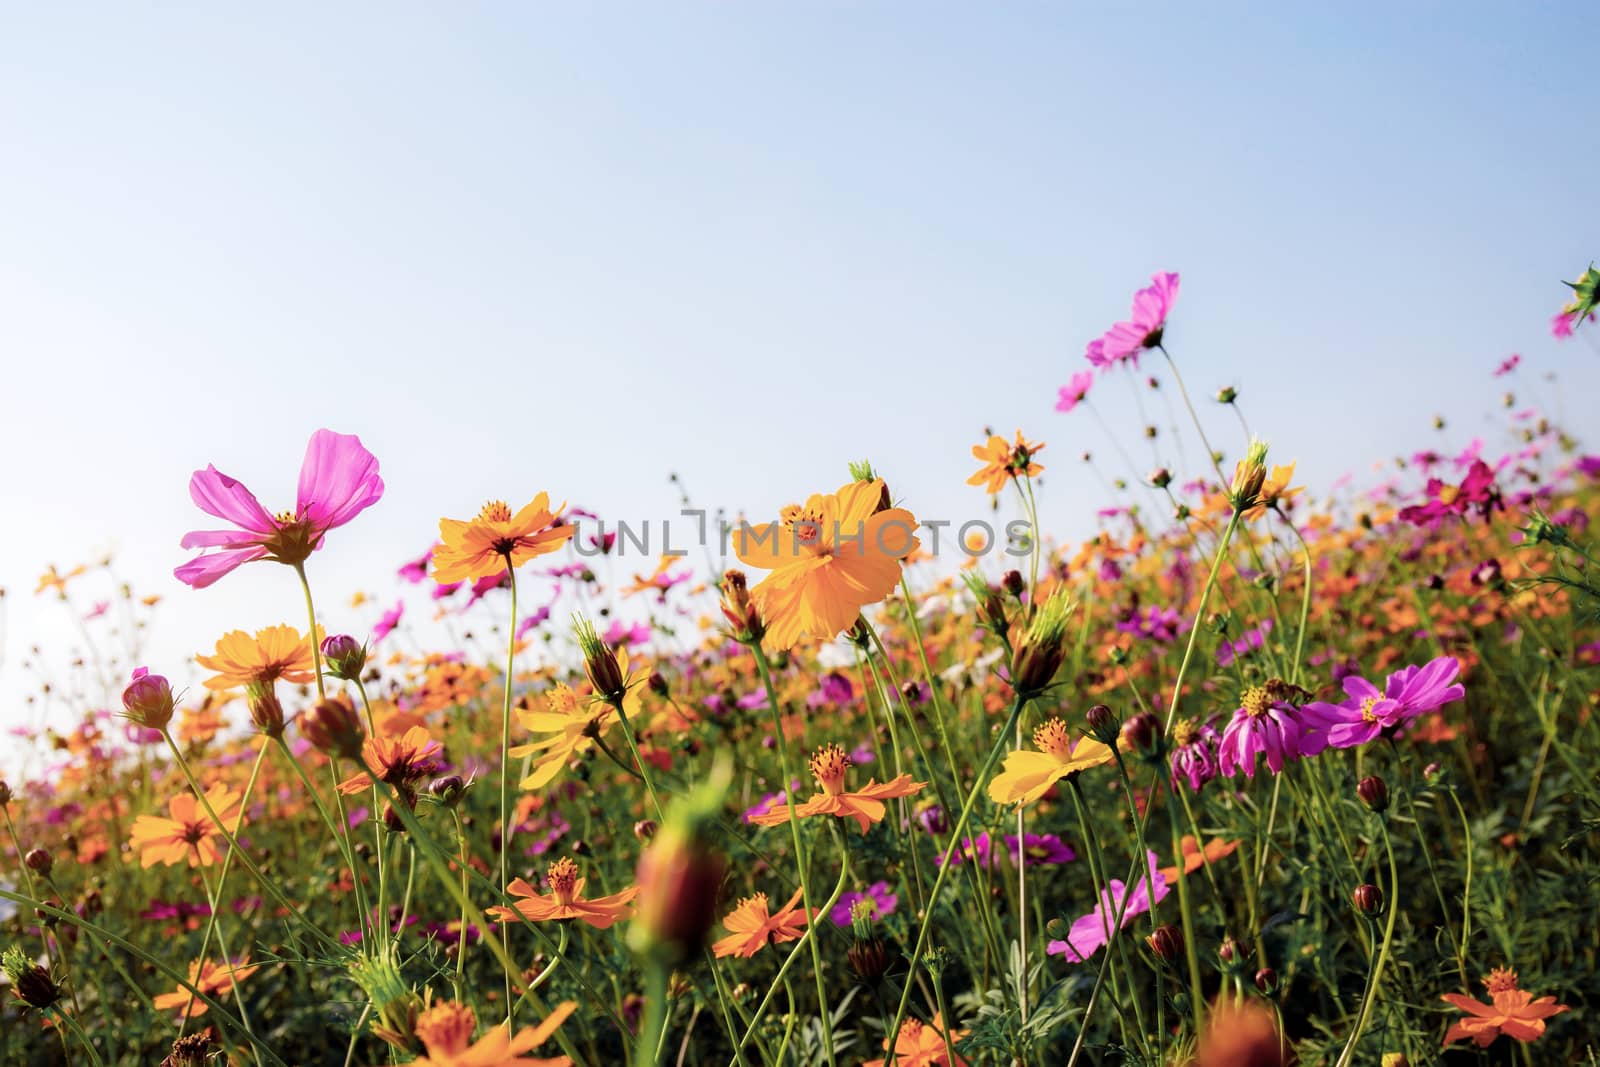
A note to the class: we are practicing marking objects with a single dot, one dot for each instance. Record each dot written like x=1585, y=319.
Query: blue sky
x=524, y=247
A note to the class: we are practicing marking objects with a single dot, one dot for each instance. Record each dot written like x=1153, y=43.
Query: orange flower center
x=806, y=527
x=828, y=767
x=1052, y=737
x=495, y=511
x=1256, y=701
x=447, y=1028
x=1500, y=980
x=562, y=878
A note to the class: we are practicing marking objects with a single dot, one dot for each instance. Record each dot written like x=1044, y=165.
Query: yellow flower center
x=495, y=511
x=1500, y=980
x=828, y=767
x=285, y=518
x=1366, y=709
x=1256, y=701
x=1052, y=737
x=1448, y=494
x=1184, y=732
x=562, y=878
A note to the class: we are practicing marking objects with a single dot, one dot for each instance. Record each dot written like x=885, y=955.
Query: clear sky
x=527, y=246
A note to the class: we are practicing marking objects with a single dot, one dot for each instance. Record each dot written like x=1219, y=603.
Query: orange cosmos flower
x=1193, y=858
x=399, y=761
x=864, y=805
x=189, y=832
x=1241, y=1033
x=565, y=899
x=274, y=653
x=754, y=926
x=211, y=979
x=917, y=1045
x=829, y=559
x=445, y=1030
x=482, y=547
x=572, y=728
x=1027, y=776
x=1513, y=1012
x=1002, y=462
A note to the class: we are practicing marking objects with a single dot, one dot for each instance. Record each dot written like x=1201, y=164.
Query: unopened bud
x=1012, y=582
x=1166, y=942
x=448, y=790
x=39, y=861
x=744, y=621
x=1160, y=478
x=1367, y=898
x=148, y=700
x=266, y=712
x=1267, y=981
x=601, y=662
x=1043, y=648
x=1248, y=477
x=645, y=830
x=5, y=794
x=1142, y=733
x=346, y=657
x=658, y=684
x=333, y=728
x=869, y=958
x=1373, y=793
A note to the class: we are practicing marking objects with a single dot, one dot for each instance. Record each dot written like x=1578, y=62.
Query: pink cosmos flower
x=1476, y=491
x=1090, y=932
x=338, y=480
x=1074, y=392
x=1264, y=723
x=388, y=621
x=1367, y=713
x=1507, y=365
x=1124, y=341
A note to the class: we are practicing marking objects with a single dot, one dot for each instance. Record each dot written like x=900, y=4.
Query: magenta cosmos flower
x=1090, y=933
x=1074, y=392
x=1124, y=341
x=338, y=480
x=1265, y=723
x=1367, y=712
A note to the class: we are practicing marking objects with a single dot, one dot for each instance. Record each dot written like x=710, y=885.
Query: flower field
x=1258, y=774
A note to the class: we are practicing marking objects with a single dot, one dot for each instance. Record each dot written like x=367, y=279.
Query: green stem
x=1200, y=614
x=506, y=829
x=1378, y=961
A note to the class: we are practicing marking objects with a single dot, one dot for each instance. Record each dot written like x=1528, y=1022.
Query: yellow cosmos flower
x=274, y=653
x=482, y=547
x=1027, y=776
x=189, y=832
x=1274, y=491
x=213, y=979
x=572, y=725
x=828, y=560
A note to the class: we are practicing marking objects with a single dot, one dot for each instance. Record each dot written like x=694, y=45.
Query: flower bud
x=1373, y=793
x=1160, y=478
x=39, y=861
x=1230, y=951
x=1367, y=898
x=1142, y=733
x=601, y=663
x=1057, y=929
x=148, y=700
x=333, y=728
x=1267, y=981
x=31, y=982
x=1043, y=647
x=1248, y=477
x=346, y=657
x=744, y=621
x=645, y=830
x=658, y=684
x=1227, y=394
x=1099, y=717
x=5, y=793
x=1166, y=942
x=679, y=876
x=1394, y=1059
x=869, y=958
x=448, y=790
x=1012, y=583
x=265, y=709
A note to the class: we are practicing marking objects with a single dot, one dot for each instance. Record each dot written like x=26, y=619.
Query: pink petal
x=203, y=570
x=219, y=539
x=217, y=494
x=338, y=480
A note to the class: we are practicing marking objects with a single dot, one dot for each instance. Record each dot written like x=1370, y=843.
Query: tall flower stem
x=250, y=865
x=506, y=829
x=222, y=880
x=995, y=751
x=1199, y=616
x=1186, y=911
x=1376, y=974
x=440, y=867
x=311, y=615
x=654, y=1025
x=228, y=960
x=927, y=674
x=638, y=759
x=801, y=858
x=341, y=838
